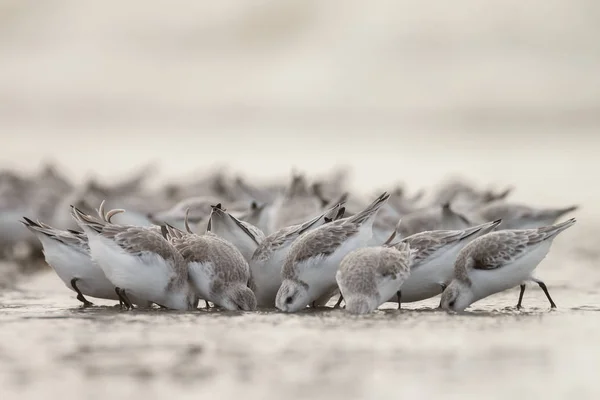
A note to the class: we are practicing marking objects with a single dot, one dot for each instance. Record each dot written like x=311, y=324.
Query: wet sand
x=506, y=94
x=51, y=347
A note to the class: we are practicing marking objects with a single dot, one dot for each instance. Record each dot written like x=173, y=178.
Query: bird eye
x=289, y=300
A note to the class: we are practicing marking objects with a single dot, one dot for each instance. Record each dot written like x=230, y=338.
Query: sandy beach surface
x=504, y=93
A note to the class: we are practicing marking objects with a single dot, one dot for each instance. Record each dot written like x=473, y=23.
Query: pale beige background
x=500, y=91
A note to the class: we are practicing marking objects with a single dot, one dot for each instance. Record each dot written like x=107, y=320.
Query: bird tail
x=87, y=221
x=555, y=229
x=550, y=232
x=557, y=213
x=334, y=213
x=481, y=229
x=38, y=227
x=394, y=236
x=369, y=212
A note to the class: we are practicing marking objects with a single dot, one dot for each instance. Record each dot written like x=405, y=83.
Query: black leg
x=339, y=302
x=128, y=302
x=314, y=304
x=399, y=294
x=121, y=301
x=545, y=289
x=443, y=286
x=521, y=296
x=80, y=296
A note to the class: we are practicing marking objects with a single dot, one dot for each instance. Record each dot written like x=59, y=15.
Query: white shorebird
x=218, y=271
x=368, y=277
x=433, y=266
x=68, y=253
x=499, y=261
x=243, y=235
x=519, y=216
x=138, y=261
x=309, y=271
x=269, y=257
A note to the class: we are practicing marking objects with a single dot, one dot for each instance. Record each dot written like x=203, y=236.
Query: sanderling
x=433, y=266
x=246, y=237
x=217, y=269
x=268, y=259
x=499, y=261
x=68, y=253
x=370, y=276
x=431, y=219
x=138, y=261
x=309, y=270
x=518, y=216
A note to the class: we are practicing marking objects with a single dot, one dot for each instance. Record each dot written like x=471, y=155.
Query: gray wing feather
x=428, y=243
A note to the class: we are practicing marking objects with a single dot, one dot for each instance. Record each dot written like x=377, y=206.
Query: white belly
x=488, y=282
x=388, y=290
x=425, y=280
x=146, y=277
x=319, y=272
x=69, y=263
x=267, y=277
x=201, y=276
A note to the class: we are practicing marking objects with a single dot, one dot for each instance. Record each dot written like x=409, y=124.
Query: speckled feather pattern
x=286, y=236
x=361, y=269
x=276, y=241
x=326, y=239
x=321, y=242
x=500, y=248
x=139, y=240
x=428, y=243
x=229, y=265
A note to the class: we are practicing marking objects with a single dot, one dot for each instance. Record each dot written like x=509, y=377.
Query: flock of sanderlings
x=239, y=245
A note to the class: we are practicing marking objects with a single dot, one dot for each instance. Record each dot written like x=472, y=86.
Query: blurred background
x=502, y=91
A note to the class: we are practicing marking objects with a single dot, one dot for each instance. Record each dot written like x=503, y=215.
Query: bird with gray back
x=499, y=261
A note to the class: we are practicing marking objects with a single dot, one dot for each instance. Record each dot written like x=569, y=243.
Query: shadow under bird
x=308, y=275
x=499, y=261
x=138, y=261
x=368, y=277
